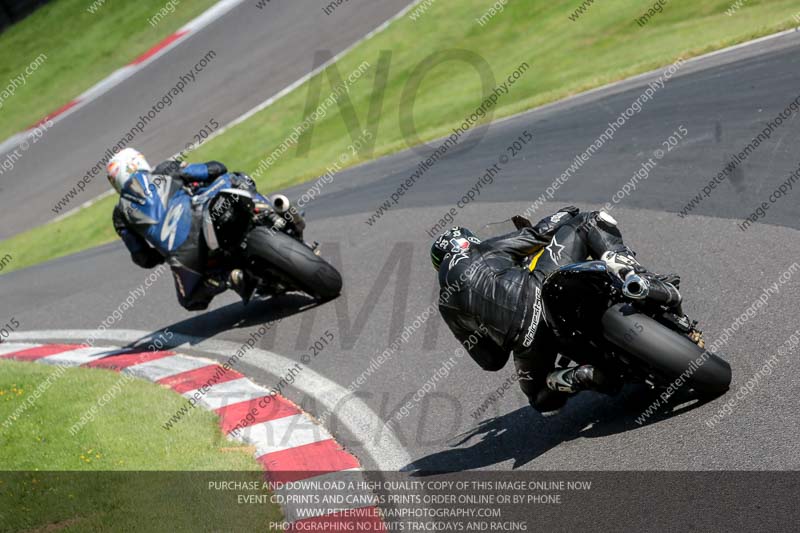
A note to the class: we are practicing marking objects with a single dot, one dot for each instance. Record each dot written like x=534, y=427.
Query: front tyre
x=294, y=261
x=669, y=354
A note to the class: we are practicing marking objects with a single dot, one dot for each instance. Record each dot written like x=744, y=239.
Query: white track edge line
x=387, y=453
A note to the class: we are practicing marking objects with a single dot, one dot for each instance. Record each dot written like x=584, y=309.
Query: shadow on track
x=231, y=316
x=524, y=434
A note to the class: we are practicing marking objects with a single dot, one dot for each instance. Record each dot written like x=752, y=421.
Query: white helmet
x=123, y=165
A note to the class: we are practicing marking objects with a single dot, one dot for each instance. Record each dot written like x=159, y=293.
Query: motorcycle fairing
x=209, y=232
x=575, y=293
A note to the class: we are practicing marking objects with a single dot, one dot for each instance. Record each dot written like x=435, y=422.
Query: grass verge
x=80, y=48
x=122, y=468
x=605, y=44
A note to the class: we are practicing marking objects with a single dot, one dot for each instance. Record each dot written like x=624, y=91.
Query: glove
x=521, y=222
x=547, y=227
x=243, y=181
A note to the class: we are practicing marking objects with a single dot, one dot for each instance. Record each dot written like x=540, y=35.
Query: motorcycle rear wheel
x=296, y=261
x=673, y=357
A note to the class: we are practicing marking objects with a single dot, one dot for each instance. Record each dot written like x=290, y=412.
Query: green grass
x=122, y=468
x=81, y=48
x=565, y=57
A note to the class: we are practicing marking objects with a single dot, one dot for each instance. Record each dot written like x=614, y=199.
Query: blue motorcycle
x=211, y=229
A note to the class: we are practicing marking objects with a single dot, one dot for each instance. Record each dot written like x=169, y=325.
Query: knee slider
x=605, y=219
x=599, y=225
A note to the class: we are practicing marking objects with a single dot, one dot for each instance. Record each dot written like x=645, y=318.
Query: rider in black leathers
x=487, y=293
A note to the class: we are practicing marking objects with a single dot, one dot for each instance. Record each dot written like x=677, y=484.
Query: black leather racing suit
x=488, y=294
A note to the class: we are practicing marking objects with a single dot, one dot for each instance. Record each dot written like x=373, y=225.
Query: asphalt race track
x=259, y=52
x=722, y=102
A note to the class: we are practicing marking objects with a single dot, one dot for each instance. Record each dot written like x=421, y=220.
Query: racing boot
x=579, y=378
x=671, y=278
x=237, y=280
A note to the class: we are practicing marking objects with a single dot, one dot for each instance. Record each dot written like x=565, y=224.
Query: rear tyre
x=296, y=262
x=668, y=353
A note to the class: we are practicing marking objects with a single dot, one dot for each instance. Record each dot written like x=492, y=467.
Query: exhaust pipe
x=656, y=291
x=285, y=208
x=635, y=287
x=281, y=203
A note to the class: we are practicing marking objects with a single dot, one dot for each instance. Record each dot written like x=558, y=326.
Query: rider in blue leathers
x=158, y=222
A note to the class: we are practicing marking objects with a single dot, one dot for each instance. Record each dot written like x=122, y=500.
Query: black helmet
x=453, y=241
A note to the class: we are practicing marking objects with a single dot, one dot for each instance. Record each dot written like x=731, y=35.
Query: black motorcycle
x=265, y=239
